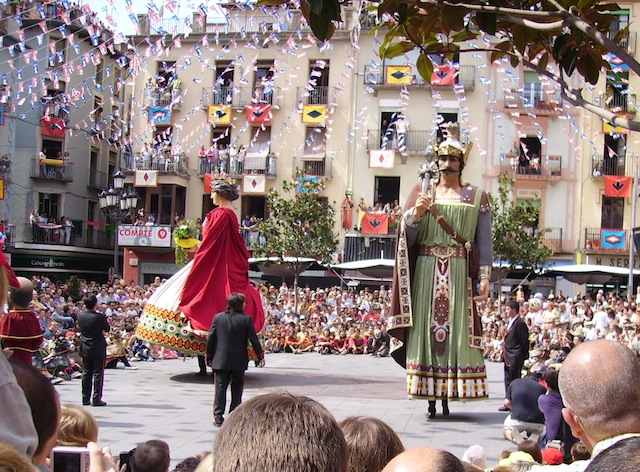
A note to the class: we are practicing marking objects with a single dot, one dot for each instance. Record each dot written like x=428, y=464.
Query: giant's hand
x=483, y=291
x=423, y=203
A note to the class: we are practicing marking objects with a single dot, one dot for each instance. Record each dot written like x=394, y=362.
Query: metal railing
x=593, y=240
x=61, y=173
x=225, y=165
x=314, y=167
x=240, y=97
x=55, y=235
x=359, y=247
x=610, y=165
x=466, y=76
x=416, y=141
x=552, y=238
x=97, y=179
x=162, y=98
x=621, y=103
x=314, y=95
x=176, y=164
x=538, y=100
x=538, y=167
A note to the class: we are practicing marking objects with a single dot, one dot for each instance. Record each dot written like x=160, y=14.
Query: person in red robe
x=220, y=266
x=347, y=210
x=20, y=329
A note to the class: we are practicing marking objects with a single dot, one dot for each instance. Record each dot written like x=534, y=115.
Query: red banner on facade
x=52, y=126
x=375, y=223
x=259, y=114
x=208, y=179
x=615, y=186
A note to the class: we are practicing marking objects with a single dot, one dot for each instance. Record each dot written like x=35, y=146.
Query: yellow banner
x=219, y=114
x=314, y=114
x=398, y=75
x=608, y=128
x=1, y=189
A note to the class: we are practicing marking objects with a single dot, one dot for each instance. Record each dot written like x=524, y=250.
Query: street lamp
x=117, y=204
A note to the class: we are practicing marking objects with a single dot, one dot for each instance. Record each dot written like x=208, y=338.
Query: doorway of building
x=387, y=190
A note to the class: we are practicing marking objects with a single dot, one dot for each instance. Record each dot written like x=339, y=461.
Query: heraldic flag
x=375, y=223
x=615, y=186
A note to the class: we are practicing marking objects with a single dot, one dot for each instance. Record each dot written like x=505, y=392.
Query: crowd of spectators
x=345, y=321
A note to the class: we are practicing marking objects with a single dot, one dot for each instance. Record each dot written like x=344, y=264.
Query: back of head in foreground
x=150, y=456
x=283, y=432
x=425, y=459
x=12, y=461
x=372, y=443
x=599, y=381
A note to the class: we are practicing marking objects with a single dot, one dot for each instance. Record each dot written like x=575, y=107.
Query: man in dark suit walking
x=227, y=352
x=516, y=345
x=93, y=351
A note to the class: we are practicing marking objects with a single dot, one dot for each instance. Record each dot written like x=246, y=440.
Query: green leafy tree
x=300, y=225
x=517, y=239
x=574, y=34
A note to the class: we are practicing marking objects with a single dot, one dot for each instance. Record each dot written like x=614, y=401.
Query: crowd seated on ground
x=352, y=322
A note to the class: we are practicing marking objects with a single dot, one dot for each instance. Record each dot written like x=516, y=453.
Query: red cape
x=220, y=267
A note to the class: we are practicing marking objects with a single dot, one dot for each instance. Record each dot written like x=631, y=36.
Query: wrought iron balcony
x=240, y=97
x=52, y=169
x=547, y=166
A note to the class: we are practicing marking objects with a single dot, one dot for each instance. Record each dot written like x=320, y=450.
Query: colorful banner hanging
x=443, y=75
x=254, y=184
x=382, y=158
x=613, y=239
x=259, y=114
x=607, y=128
x=398, y=75
x=51, y=126
x=160, y=115
x=219, y=114
x=1, y=116
x=615, y=186
x=1, y=189
x=146, y=178
x=314, y=114
x=375, y=223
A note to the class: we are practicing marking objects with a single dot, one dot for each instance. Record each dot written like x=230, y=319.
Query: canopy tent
x=589, y=273
x=286, y=266
x=381, y=269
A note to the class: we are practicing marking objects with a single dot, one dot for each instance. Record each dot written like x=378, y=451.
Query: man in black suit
x=227, y=352
x=93, y=351
x=516, y=345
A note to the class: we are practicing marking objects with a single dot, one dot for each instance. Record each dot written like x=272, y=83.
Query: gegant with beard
x=433, y=318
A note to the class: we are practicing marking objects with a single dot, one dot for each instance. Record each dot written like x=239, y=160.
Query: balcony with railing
x=237, y=21
x=462, y=75
x=162, y=97
x=311, y=95
x=52, y=170
x=54, y=235
x=416, y=141
x=621, y=103
x=314, y=167
x=541, y=101
x=603, y=239
x=610, y=164
x=165, y=164
x=240, y=97
x=547, y=166
x=226, y=165
x=97, y=179
x=361, y=247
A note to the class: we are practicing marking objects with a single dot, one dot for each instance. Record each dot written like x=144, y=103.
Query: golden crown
x=451, y=146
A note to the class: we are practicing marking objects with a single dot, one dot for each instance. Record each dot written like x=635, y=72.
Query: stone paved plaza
x=165, y=400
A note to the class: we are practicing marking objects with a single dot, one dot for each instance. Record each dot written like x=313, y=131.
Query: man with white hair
x=600, y=386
